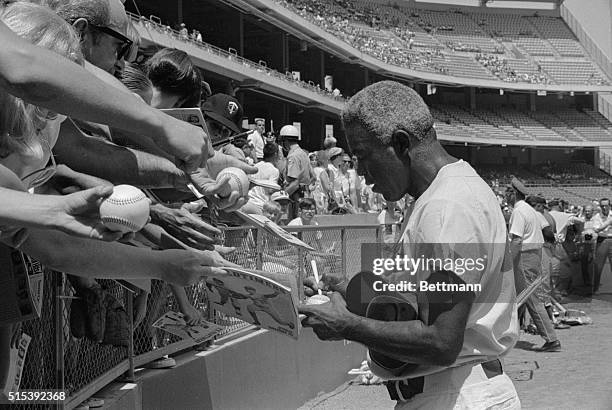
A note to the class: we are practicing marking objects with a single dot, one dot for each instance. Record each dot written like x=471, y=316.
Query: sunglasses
x=124, y=48
x=41, y=176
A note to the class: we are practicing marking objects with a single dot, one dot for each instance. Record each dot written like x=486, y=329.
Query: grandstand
x=567, y=126
x=524, y=41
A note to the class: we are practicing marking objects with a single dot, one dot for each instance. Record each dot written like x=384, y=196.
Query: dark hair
x=173, y=72
x=307, y=203
x=270, y=150
x=135, y=79
x=534, y=200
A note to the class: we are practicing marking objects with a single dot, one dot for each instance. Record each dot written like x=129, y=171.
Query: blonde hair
x=20, y=121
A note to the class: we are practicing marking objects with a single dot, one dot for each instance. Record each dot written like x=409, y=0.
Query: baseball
x=239, y=181
x=126, y=210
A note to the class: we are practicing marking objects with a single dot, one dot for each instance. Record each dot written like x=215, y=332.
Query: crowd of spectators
x=499, y=66
x=354, y=22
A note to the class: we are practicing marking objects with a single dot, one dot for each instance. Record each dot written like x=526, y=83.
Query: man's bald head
x=387, y=106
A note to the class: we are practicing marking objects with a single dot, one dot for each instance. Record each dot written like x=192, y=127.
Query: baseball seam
x=121, y=221
x=236, y=179
x=125, y=201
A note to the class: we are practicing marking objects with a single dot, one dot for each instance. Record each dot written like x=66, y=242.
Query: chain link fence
x=57, y=359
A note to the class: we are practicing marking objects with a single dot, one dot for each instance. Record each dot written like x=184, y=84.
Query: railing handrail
x=225, y=53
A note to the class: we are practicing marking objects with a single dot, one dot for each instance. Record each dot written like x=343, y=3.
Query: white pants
x=464, y=388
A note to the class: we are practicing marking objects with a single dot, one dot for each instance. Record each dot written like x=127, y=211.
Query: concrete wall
x=262, y=370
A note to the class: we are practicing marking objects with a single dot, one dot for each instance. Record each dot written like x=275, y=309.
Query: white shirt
x=258, y=143
x=599, y=220
x=258, y=196
x=460, y=208
x=298, y=222
x=527, y=224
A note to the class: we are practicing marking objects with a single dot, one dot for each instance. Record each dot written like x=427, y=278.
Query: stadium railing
x=154, y=22
x=81, y=367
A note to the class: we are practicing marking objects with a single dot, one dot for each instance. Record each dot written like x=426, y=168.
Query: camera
x=588, y=237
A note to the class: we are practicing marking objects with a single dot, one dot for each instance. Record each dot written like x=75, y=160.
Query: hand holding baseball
x=228, y=192
x=78, y=214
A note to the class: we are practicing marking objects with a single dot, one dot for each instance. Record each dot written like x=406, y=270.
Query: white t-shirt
x=258, y=196
x=460, y=208
x=258, y=143
x=600, y=220
x=298, y=222
x=527, y=223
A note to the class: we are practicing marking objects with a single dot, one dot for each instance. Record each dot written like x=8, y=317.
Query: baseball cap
x=519, y=186
x=279, y=196
x=224, y=109
x=334, y=152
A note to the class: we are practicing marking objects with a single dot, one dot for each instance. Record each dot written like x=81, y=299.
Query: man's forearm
x=84, y=257
x=292, y=187
x=26, y=210
x=410, y=341
x=119, y=165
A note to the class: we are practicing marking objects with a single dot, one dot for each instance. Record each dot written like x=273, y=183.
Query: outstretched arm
x=117, y=164
x=69, y=89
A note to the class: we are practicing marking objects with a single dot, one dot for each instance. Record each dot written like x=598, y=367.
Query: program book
x=272, y=228
x=264, y=299
x=174, y=322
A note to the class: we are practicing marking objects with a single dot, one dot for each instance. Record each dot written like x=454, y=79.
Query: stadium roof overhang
x=284, y=19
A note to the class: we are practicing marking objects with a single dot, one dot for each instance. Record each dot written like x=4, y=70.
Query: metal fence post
x=130, y=312
x=60, y=384
x=259, y=243
x=301, y=295
x=343, y=251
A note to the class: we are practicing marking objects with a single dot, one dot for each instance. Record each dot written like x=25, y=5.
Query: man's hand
x=328, y=320
x=327, y=283
x=184, y=268
x=205, y=180
x=186, y=227
x=224, y=250
x=78, y=214
x=188, y=143
x=218, y=260
x=220, y=161
x=193, y=316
